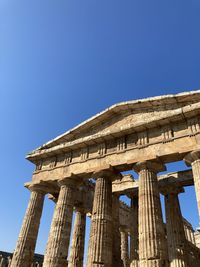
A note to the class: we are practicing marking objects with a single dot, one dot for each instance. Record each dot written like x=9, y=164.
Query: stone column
x=152, y=241
x=24, y=251
x=78, y=240
x=193, y=159
x=189, y=232
x=59, y=236
x=134, y=235
x=3, y=262
x=116, y=259
x=100, y=244
x=175, y=230
x=124, y=247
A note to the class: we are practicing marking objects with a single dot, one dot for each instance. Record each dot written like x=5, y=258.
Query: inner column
x=116, y=259
x=78, y=239
x=124, y=246
x=134, y=257
x=175, y=229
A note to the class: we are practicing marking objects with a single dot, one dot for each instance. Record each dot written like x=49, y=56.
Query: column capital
x=123, y=228
x=80, y=208
x=36, y=187
x=132, y=196
x=70, y=181
x=192, y=157
x=109, y=173
x=53, y=197
x=172, y=190
x=153, y=165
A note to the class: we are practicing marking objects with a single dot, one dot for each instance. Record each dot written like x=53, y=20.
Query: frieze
x=124, y=143
x=193, y=125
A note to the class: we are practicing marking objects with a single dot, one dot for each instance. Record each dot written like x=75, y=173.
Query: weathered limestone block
x=193, y=159
x=100, y=244
x=24, y=251
x=116, y=259
x=134, y=235
x=59, y=236
x=78, y=240
x=124, y=247
x=176, y=240
x=152, y=241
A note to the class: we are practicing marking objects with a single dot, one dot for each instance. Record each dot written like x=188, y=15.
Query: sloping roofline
x=105, y=114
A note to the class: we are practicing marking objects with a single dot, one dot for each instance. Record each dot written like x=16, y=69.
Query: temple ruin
x=85, y=170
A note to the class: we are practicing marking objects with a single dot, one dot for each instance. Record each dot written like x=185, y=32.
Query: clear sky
x=64, y=61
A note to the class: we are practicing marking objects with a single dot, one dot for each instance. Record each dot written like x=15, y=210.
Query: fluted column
x=59, y=236
x=193, y=159
x=78, y=240
x=24, y=251
x=100, y=244
x=3, y=262
x=134, y=235
x=124, y=247
x=189, y=232
x=175, y=230
x=116, y=259
x=152, y=241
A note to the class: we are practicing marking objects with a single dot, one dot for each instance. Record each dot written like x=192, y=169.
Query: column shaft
x=196, y=176
x=193, y=159
x=78, y=240
x=124, y=248
x=175, y=232
x=24, y=251
x=59, y=236
x=152, y=241
x=116, y=259
x=100, y=244
x=134, y=235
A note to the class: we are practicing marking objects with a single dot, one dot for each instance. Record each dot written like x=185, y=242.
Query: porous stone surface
x=177, y=249
x=152, y=241
x=59, y=236
x=24, y=251
x=78, y=239
x=100, y=244
x=84, y=167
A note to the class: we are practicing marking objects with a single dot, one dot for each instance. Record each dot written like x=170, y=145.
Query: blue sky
x=64, y=61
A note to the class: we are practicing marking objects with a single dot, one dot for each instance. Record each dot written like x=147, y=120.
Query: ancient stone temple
x=82, y=171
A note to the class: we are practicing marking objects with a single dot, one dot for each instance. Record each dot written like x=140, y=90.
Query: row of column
x=152, y=238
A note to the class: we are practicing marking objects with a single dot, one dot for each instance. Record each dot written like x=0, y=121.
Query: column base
x=134, y=263
x=153, y=263
x=178, y=263
x=100, y=265
x=56, y=263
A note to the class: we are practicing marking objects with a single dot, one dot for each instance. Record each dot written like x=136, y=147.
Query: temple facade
x=82, y=171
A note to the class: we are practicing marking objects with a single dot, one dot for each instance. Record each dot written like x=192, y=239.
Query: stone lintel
x=181, y=179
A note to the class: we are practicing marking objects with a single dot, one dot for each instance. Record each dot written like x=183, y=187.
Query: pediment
x=128, y=117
